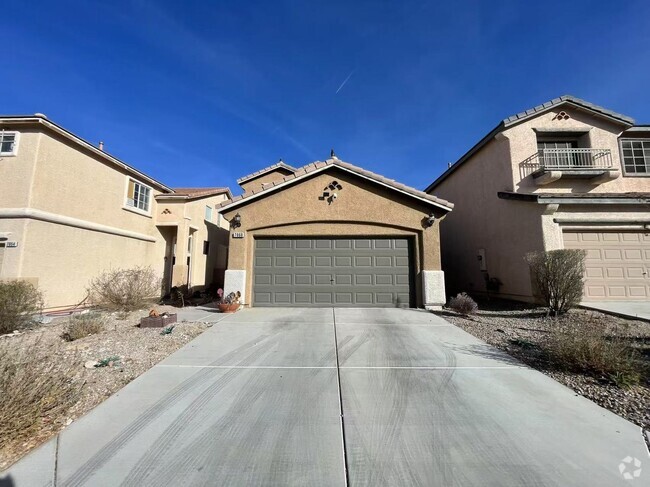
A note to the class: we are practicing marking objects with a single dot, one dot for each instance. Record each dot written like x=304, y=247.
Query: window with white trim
x=636, y=156
x=138, y=195
x=208, y=213
x=8, y=143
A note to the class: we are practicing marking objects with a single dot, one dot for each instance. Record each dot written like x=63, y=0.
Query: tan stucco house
x=69, y=211
x=333, y=234
x=565, y=174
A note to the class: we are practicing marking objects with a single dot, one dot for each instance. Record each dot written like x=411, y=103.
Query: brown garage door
x=618, y=264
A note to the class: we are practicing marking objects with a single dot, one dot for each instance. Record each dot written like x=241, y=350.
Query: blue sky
x=199, y=93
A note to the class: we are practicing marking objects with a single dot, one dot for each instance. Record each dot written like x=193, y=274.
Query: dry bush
x=587, y=349
x=557, y=275
x=81, y=326
x=463, y=304
x=20, y=302
x=34, y=386
x=125, y=289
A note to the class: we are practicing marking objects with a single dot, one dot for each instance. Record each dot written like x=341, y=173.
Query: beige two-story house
x=69, y=211
x=565, y=174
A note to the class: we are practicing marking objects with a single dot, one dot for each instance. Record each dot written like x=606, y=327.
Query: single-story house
x=333, y=234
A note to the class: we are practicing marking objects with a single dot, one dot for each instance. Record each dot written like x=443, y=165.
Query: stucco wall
x=362, y=208
x=256, y=183
x=602, y=134
x=506, y=230
x=16, y=172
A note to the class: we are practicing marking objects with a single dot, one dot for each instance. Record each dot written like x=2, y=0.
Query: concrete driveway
x=321, y=397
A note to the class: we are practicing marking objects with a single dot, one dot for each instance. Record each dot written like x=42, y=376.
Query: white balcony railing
x=574, y=159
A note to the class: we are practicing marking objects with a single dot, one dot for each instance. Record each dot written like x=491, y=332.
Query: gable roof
x=277, y=165
x=528, y=114
x=194, y=193
x=320, y=166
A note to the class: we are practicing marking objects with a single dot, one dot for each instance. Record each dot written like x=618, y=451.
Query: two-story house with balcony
x=565, y=174
x=69, y=211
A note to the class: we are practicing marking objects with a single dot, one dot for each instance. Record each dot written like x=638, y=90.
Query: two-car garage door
x=617, y=264
x=360, y=272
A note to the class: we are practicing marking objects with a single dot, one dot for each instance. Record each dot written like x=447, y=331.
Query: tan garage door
x=618, y=264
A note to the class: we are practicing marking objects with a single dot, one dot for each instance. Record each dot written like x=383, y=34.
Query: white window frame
x=133, y=208
x=646, y=159
x=16, y=135
x=208, y=209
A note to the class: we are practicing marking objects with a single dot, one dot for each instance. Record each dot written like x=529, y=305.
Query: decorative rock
x=90, y=364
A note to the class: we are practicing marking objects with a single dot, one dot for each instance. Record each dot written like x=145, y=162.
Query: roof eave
x=88, y=146
x=446, y=206
x=262, y=172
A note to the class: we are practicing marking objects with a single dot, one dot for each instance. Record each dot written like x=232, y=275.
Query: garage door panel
x=302, y=279
x=617, y=264
x=303, y=244
x=303, y=261
x=332, y=272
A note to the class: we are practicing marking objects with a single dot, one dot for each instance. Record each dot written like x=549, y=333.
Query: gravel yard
x=523, y=330
x=138, y=350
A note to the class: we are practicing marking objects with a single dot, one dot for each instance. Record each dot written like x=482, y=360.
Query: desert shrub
x=80, y=326
x=35, y=386
x=20, y=302
x=586, y=348
x=557, y=275
x=125, y=289
x=463, y=304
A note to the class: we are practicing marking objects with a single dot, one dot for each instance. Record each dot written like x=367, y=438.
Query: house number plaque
x=237, y=234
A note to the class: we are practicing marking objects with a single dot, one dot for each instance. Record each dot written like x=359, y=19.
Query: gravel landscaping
x=525, y=332
x=123, y=350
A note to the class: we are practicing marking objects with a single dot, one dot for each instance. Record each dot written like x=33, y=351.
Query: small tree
x=125, y=289
x=20, y=302
x=558, y=275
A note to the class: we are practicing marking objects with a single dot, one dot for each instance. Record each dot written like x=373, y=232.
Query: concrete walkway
x=325, y=397
x=626, y=309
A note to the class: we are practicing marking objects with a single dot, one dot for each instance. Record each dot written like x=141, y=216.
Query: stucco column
x=235, y=278
x=551, y=231
x=179, y=272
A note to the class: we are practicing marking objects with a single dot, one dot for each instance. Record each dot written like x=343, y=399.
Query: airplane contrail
x=345, y=81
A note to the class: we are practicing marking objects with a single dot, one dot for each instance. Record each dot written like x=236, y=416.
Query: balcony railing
x=575, y=159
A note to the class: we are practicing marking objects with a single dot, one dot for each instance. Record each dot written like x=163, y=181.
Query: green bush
x=20, y=303
x=557, y=275
x=81, y=326
x=125, y=289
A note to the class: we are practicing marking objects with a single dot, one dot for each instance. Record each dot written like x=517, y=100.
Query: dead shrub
x=35, y=386
x=81, y=326
x=125, y=289
x=463, y=304
x=558, y=277
x=587, y=349
x=20, y=302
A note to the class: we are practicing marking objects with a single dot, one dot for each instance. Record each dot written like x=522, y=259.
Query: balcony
x=593, y=164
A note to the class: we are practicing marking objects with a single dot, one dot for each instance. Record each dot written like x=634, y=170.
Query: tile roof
x=304, y=171
x=277, y=165
x=518, y=117
x=194, y=193
x=513, y=195
x=526, y=114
